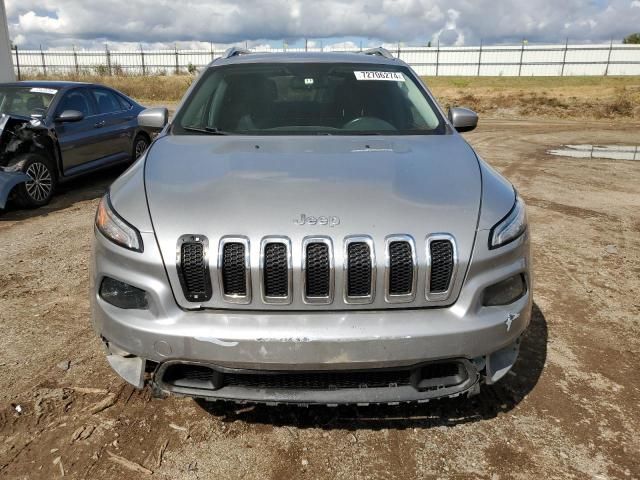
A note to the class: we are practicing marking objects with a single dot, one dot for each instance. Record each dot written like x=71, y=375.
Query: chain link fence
x=514, y=60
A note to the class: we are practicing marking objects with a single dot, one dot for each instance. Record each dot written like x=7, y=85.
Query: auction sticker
x=388, y=76
x=50, y=91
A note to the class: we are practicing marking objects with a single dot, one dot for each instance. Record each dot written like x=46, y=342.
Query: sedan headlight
x=510, y=227
x=116, y=228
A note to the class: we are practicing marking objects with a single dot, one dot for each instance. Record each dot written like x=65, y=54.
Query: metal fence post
x=479, y=58
x=521, y=57
x=564, y=58
x=144, y=67
x=108, y=53
x=606, y=70
x=398, y=52
x=212, y=51
x=17, y=62
x=177, y=62
x=437, y=57
x=44, y=63
x=75, y=60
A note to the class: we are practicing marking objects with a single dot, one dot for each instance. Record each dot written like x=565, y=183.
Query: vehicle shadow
x=492, y=400
x=86, y=187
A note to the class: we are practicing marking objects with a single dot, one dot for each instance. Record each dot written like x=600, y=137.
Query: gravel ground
x=568, y=410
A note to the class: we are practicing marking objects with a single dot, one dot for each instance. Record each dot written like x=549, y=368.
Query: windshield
x=309, y=99
x=25, y=101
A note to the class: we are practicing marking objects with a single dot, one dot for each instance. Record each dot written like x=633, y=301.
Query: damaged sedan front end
x=52, y=131
x=19, y=136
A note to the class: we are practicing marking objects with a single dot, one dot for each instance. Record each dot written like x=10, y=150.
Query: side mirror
x=153, y=118
x=70, y=116
x=463, y=119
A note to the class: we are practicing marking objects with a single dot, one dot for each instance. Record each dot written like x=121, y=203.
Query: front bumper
x=484, y=339
x=8, y=180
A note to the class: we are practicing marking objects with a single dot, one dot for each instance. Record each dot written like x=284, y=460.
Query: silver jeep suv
x=311, y=229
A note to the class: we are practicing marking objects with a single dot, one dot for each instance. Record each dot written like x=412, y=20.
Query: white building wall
x=6, y=66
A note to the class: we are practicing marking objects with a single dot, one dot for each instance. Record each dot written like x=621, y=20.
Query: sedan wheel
x=140, y=147
x=41, y=184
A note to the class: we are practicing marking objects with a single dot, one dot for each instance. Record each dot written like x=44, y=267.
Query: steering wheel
x=367, y=123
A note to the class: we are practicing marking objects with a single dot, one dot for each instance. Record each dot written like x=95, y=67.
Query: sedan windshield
x=25, y=101
x=308, y=99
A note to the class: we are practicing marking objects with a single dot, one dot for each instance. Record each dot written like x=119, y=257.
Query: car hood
x=260, y=186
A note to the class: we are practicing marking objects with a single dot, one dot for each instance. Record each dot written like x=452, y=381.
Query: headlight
x=116, y=228
x=510, y=227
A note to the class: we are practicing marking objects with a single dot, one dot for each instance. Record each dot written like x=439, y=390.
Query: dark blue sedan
x=51, y=132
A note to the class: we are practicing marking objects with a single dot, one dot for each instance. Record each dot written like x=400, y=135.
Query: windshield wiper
x=206, y=130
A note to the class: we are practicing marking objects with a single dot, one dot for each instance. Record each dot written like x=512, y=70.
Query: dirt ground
x=570, y=408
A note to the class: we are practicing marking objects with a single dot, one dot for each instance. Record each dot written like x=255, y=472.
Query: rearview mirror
x=153, y=118
x=70, y=116
x=463, y=119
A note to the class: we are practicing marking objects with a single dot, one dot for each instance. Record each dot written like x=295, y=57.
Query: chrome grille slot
x=442, y=263
x=441, y=266
x=233, y=268
x=193, y=267
x=401, y=269
x=359, y=270
x=318, y=270
x=275, y=270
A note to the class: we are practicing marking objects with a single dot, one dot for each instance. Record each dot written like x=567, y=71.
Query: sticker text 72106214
x=385, y=76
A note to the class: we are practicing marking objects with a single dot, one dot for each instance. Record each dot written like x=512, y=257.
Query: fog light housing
x=123, y=295
x=505, y=292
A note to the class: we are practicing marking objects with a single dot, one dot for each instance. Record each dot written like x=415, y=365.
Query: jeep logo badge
x=304, y=220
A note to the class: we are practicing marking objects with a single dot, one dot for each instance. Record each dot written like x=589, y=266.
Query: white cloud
x=164, y=22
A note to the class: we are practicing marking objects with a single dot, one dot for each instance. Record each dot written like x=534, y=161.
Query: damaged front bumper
x=17, y=135
x=368, y=356
x=8, y=180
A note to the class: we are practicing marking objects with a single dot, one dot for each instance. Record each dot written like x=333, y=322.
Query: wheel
x=140, y=145
x=38, y=191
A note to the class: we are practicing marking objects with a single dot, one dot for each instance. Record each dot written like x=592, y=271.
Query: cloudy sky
x=158, y=23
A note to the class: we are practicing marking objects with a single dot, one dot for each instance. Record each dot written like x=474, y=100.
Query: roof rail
x=382, y=52
x=235, y=51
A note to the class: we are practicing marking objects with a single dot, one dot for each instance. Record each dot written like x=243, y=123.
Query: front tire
x=40, y=189
x=140, y=145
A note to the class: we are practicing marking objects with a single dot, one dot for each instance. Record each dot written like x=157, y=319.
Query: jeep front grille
x=355, y=276
x=193, y=268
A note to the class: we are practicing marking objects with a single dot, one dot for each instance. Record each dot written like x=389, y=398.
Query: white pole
x=6, y=62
